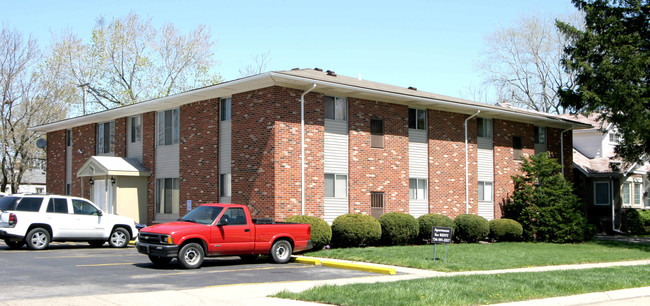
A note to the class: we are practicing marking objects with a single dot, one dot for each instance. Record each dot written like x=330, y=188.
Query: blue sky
x=432, y=45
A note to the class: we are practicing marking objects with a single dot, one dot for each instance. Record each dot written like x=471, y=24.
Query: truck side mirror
x=223, y=221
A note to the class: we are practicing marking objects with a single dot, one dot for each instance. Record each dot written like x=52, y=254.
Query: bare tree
x=30, y=96
x=522, y=64
x=259, y=64
x=129, y=60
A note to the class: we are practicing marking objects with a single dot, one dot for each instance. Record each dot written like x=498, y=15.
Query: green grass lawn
x=479, y=289
x=504, y=255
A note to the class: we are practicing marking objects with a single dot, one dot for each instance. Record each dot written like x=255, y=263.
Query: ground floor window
x=336, y=186
x=601, y=193
x=376, y=204
x=417, y=189
x=167, y=196
x=485, y=191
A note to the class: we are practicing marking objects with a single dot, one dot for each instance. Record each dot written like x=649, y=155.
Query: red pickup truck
x=221, y=230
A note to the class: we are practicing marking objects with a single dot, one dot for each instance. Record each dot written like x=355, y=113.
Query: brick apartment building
x=368, y=148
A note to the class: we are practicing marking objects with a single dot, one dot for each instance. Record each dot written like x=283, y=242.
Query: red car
x=221, y=230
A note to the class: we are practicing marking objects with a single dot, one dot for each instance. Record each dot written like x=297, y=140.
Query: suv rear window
x=29, y=204
x=9, y=203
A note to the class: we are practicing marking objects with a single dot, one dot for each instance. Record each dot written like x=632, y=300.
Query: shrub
x=505, y=230
x=645, y=217
x=354, y=230
x=398, y=228
x=426, y=222
x=471, y=228
x=631, y=222
x=321, y=232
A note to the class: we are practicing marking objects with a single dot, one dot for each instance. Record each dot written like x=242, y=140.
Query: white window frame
x=225, y=109
x=163, y=129
x=482, y=191
x=609, y=196
x=417, y=124
x=637, y=194
x=418, y=188
x=101, y=137
x=614, y=137
x=486, y=125
x=340, y=111
x=627, y=188
x=338, y=186
x=135, y=130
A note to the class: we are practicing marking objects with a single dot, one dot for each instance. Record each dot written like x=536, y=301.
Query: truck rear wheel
x=191, y=256
x=281, y=251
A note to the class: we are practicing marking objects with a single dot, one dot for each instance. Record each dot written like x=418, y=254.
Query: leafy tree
x=128, y=60
x=544, y=203
x=611, y=58
x=30, y=94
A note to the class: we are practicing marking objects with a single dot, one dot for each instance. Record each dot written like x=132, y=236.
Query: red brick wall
x=149, y=159
x=314, y=154
x=56, y=159
x=120, y=137
x=447, y=163
x=504, y=164
x=199, y=154
x=83, y=147
x=553, y=146
x=377, y=169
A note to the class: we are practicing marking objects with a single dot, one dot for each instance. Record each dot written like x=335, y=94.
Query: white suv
x=37, y=219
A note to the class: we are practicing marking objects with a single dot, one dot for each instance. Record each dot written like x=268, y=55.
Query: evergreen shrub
x=321, y=232
x=398, y=228
x=471, y=228
x=505, y=230
x=355, y=230
x=426, y=222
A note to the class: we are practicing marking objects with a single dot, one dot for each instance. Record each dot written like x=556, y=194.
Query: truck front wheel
x=191, y=256
x=281, y=251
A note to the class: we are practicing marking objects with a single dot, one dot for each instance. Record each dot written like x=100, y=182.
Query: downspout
x=467, y=164
x=562, y=149
x=302, y=149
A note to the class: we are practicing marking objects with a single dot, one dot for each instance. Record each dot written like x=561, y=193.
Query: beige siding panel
x=540, y=147
x=486, y=210
x=167, y=161
x=225, y=147
x=418, y=157
x=335, y=207
x=485, y=160
x=133, y=149
x=417, y=136
x=336, y=146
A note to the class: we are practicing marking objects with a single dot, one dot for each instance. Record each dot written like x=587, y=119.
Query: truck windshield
x=202, y=215
x=9, y=203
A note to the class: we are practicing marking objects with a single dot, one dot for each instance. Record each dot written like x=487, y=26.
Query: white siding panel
x=335, y=207
x=485, y=160
x=417, y=136
x=68, y=165
x=225, y=145
x=167, y=163
x=134, y=150
x=336, y=146
x=418, y=157
x=418, y=207
x=486, y=210
x=540, y=147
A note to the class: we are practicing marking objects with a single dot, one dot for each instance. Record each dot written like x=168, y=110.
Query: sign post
x=440, y=235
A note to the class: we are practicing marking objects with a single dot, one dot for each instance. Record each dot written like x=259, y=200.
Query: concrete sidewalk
x=256, y=294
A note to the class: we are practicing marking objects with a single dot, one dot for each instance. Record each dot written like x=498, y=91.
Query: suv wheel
x=191, y=256
x=38, y=239
x=119, y=238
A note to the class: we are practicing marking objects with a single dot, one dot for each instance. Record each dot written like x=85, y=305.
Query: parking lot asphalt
x=76, y=269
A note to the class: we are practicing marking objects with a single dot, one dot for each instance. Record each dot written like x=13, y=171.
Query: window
x=637, y=193
x=626, y=193
x=226, y=109
x=485, y=191
x=81, y=207
x=614, y=137
x=29, y=204
x=167, y=196
x=39, y=190
x=336, y=108
x=136, y=129
x=484, y=127
x=417, y=189
x=336, y=186
x=417, y=119
x=57, y=205
x=105, y=137
x=225, y=188
x=517, y=148
x=540, y=135
x=68, y=138
x=168, y=127
x=234, y=216
x=376, y=133
x=376, y=204
x=601, y=193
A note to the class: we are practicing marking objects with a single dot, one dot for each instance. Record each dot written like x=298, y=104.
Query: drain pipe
x=467, y=165
x=302, y=149
x=562, y=148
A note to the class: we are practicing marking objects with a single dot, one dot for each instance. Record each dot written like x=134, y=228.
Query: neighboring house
x=33, y=182
x=604, y=181
x=368, y=148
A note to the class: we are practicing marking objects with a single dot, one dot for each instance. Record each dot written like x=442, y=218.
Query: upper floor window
x=540, y=135
x=376, y=133
x=417, y=119
x=336, y=108
x=517, y=148
x=136, y=128
x=484, y=127
x=614, y=137
x=168, y=127
x=226, y=109
x=105, y=137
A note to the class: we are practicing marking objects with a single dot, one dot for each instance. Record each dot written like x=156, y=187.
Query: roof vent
x=318, y=69
x=294, y=69
x=331, y=73
x=413, y=88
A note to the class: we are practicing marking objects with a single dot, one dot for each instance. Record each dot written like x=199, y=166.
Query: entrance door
x=103, y=195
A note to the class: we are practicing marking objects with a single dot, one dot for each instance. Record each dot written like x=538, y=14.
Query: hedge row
x=358, y=230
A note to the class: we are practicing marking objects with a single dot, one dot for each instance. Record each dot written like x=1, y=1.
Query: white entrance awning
x=113, y=166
